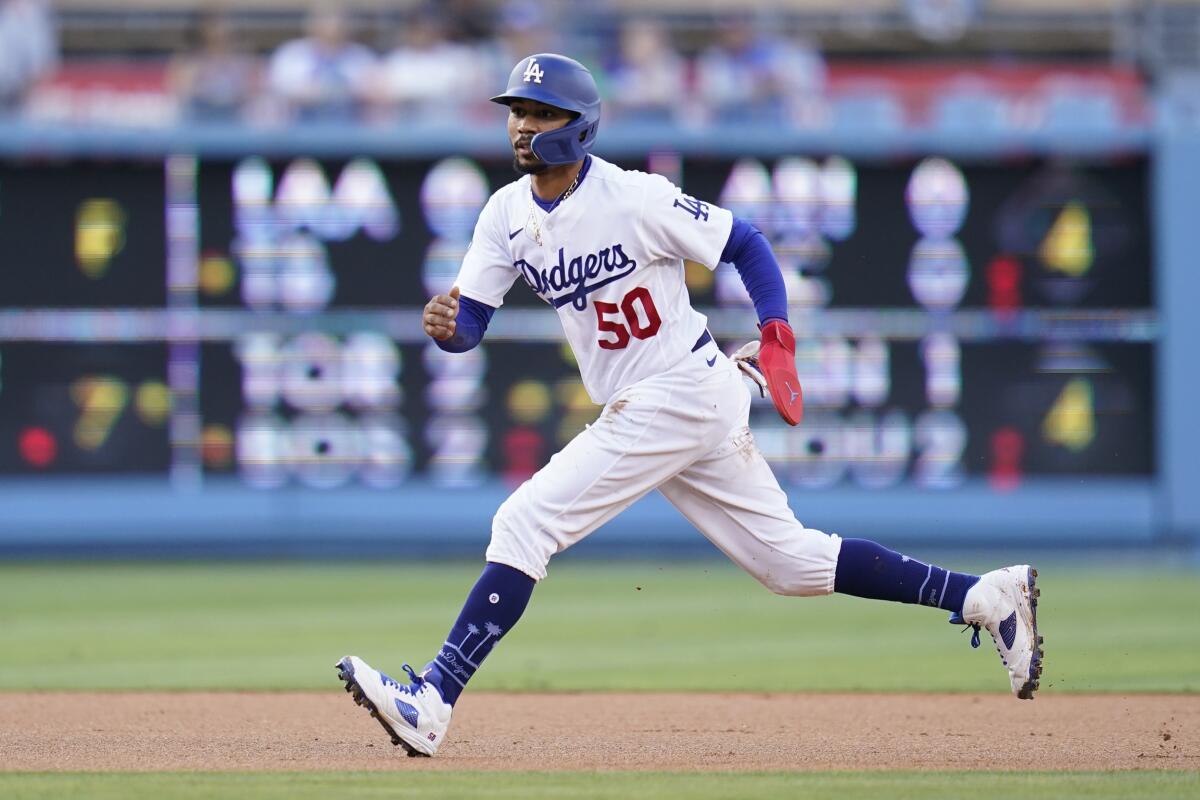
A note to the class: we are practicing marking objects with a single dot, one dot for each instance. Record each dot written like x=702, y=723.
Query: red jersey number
x=641, y=319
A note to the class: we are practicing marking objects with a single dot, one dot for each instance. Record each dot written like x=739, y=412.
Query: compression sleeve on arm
x=750, y=253
x=470, y=324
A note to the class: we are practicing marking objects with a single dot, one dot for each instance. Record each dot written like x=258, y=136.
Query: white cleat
x=1005, y=602
x=415, y=716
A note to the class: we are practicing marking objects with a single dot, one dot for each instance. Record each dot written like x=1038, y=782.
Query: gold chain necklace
x=532, y=226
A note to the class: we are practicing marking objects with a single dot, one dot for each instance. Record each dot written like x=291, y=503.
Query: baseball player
x=605, y=248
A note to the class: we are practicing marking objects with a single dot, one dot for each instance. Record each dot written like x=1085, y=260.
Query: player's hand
x=771, y=364
x=746, y=359
x=439, y=315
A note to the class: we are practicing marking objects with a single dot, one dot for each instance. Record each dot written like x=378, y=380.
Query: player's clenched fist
x=439, y=315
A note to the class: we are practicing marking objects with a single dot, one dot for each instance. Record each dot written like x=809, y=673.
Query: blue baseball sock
x=866, y=569
x=493, y=606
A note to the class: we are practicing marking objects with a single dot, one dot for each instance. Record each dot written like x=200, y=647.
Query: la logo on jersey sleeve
x=692, y=206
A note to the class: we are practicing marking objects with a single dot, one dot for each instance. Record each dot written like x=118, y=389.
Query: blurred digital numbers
x=83, y=408
x=1081, y=234
x=903, y=258
x=452, y=194
x=1067, y=247
x=1071, y=421
x=325, y=409
x=99, y=235
x=321, y=410
x=955, y=319
x=1065, y=408
x=283, y=230
x=854, y=427
x=101, y=399
x=82, y=235
x=803, y=206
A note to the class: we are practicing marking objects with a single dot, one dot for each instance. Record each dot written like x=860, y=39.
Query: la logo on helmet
x=533, y=72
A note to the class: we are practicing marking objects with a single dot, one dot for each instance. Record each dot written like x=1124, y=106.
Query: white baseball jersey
x=610, y=261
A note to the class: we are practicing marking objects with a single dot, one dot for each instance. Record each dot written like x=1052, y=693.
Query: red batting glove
x=777, y=362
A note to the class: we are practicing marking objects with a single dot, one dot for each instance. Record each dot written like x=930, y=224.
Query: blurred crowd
x=28, y=48
x=443, y=60
x=436, y=63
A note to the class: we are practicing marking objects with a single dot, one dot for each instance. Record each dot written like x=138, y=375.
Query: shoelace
x=413, y=688
x=974, y=636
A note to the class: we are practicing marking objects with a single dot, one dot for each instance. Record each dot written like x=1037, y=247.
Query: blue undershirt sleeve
x=471, y=322
x=750, y=253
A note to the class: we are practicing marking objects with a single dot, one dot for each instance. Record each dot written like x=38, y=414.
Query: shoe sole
x=345, y=671
x=1035, y=662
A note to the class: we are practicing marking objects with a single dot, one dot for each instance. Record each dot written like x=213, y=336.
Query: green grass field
x=585, y=786
x=649, y=626
x=640, y=626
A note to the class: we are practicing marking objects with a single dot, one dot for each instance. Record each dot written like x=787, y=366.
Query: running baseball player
x=606, y=247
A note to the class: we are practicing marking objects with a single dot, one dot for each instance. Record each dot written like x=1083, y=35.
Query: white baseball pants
x=685, y=433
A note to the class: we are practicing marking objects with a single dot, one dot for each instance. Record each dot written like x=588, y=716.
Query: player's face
x=526, y=119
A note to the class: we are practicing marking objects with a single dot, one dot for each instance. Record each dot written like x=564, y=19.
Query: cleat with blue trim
x=415, y=715
x=1004, y=602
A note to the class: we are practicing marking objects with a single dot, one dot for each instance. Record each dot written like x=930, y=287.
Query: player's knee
x=518, y=542
x=505, y=526
x=792, y=585
x=800, y=588
x=773, y=583
x=808, y=570
x=801, y=577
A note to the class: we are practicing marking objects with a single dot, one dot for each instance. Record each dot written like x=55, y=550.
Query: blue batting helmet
x=563, y=83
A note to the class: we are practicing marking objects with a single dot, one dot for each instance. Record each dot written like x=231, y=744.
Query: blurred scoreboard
x=261, y=318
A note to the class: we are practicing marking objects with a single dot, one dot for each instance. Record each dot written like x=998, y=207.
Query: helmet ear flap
x=587, y=134
x=567, y=144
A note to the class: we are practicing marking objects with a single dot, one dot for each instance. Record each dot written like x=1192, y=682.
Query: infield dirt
x=326, y=731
